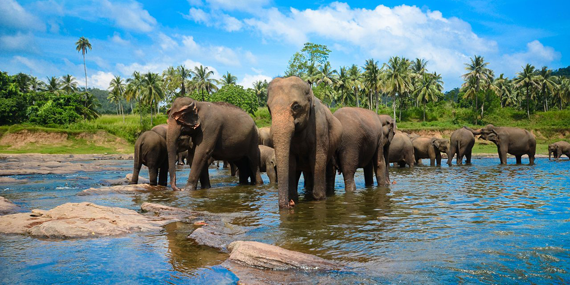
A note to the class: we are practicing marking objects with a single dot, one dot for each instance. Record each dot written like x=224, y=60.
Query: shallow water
x=483, y=223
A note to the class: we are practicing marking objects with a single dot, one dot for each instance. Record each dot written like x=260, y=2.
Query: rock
x=209, y=236
x=9, y=180
x=266, y=256
x=7, y=207
x=121, y=189
x=79, y=220
x=142, y=180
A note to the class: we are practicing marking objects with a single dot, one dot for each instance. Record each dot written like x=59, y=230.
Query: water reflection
x=462, y=224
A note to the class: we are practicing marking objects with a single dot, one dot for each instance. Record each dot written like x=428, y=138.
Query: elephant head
x=290, y=102
x=388, y=127
x=183, y=119
x=441, y=144
x=489, y=133
x=553, y=149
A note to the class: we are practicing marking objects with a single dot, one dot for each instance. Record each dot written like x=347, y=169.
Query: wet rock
x=123, y=181
x=9, y=180
x=121, y=189
x=22, y=164
x=7, y=207
x=79, y=220
x=266, y=256
x=142, y=180
x=168, y=212
x=211, y=237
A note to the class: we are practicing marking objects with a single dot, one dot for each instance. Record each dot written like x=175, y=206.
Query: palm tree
x=202, y=80
x=527, y=79
x=53, y=85
x=398, y=78
x=502, y=87
x=117, y=93
x=373, y=81
x=312, y=74
x=36, y=84
x=228, y=79
x=82, y=45
x=171, y=82
x=482, y=77
x=184, y=74
x=546, y=83
x=355, y=82
x=152, y=91
x=419, y=67
x=429, y=89
x=68, y=84
x=326, y=76
x=260, y=89
x=134, y=90
x=341, y=84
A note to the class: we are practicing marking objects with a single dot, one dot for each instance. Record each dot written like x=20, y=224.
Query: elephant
x=558, y=149
x=515, y=141
x=218, y=130
x=361, y=146
x=388, y=129
x=305, y=137
x=461, y=143
x=268, y=163
x=430, y=148
x=401, y=150
x=150, y=150
x=265, y=137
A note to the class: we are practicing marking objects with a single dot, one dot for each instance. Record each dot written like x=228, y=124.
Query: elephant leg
x=319, y=173
x=531, y=159
x=438, y=158
x=135, y=177
x=272, y=174
x=163, y=174
x=243, y=170
x=368, y=174
x=519, y=159
x=502, y=154
x=205, y=178
x=199, y=168
x=468, y=157
x=153, y=175
x=330, y=175
x=293, y=180
x=452, y=151
x=402, y=164
x=380, y=169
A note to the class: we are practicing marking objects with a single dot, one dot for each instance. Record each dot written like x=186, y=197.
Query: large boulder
x=7, y=207
x=79, y=220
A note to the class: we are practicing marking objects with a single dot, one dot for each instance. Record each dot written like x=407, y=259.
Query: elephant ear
x=435, y=142
x=187, y=116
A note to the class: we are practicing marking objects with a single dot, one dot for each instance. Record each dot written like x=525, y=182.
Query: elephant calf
x=461, y=143
x=430, y=148
x=150, y=150
x=558, y=149
x=401, y=150
x=267, y=162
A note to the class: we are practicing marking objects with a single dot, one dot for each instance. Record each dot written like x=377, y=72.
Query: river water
x=483, y=223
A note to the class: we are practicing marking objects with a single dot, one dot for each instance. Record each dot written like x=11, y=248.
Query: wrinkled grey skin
x=388, y=130
x=218, y=130
x=268, y=162
x=515, y=141
x=558, y=149
x=401, y=150
x=150, y=150
x=430, y=148
x=305, y=137
x=461, y=144
x=265, y=136
x=362, y=146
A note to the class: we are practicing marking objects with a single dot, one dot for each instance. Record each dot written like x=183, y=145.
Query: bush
x=236, y=95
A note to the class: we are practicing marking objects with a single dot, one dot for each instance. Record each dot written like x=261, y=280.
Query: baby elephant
x=430, y=148
x=558, y=149
x=267, y=162
x=150, y=150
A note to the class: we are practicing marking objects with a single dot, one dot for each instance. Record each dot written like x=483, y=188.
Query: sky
x=254, y=39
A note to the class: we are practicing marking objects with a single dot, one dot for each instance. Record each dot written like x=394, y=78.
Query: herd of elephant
x=304, y=138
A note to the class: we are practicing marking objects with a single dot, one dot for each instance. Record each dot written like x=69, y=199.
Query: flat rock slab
x=10, y=180
x=79, y=220
x=123, y=181
x=7, y=207
x=21, y=164
x=121, y=189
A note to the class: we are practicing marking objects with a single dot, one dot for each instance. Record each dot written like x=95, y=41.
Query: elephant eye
x=295, y=106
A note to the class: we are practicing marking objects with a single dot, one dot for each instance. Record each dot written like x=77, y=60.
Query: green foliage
x=236, y=95
x=262, y=117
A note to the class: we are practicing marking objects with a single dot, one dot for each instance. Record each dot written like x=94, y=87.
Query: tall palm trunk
x=394, y=107
x=85, y=69
x=357, y=101
x=527, y=103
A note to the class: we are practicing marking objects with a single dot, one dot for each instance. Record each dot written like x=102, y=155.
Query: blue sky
x=254, y=39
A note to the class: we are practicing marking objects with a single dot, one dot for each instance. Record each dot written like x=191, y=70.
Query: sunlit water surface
x=483, y=223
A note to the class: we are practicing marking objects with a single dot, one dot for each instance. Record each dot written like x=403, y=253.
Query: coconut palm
x=260, y=89
x=418, y=67
x=547, y=84
x=202, y=80
x=429, y=89
x=341, y=84
x=312, y=73
x=68, y=84
x=502, y=87
x=171, y=83
x=527, y=79
x=82, y=45
x=152, y=91
x=482, y=75
x=372, y=81
x=36, y=84
x=134, y=90
x=228, y=79
x=562, y=90
x=184, y=74
x=326, y=76
x=53, y=85
x=117, y=93
x=398, y=78
x=355, y=82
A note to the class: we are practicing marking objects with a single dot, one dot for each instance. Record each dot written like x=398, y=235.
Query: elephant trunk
x=171, y=145
x=549, y=153
x=282, y=129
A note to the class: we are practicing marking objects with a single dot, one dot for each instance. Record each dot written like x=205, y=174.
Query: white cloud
x=166, y=42
x=14, y=16
x=248, y=80
x=241, y=5
x=198, y=16
x=251, y=57
x=118, y=40
x=156, y=67
x=536, y=54
x=190, y=45
x=39, y=68
x=215, y=18
x=100, y=80
x=18, y=42
x=130, y=16
x=225, y=55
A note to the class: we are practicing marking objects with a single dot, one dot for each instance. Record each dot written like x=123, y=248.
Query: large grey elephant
x=515, y=141
x=268, y=162
x=219, y=130
x=461, y=144
x=362, y=146
x=430, y=148
x=265, y=136
x=184, y=146
x=150, y=150
x=388, y=130
x=305, y=137
x=401, y=150
x=558, y=149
